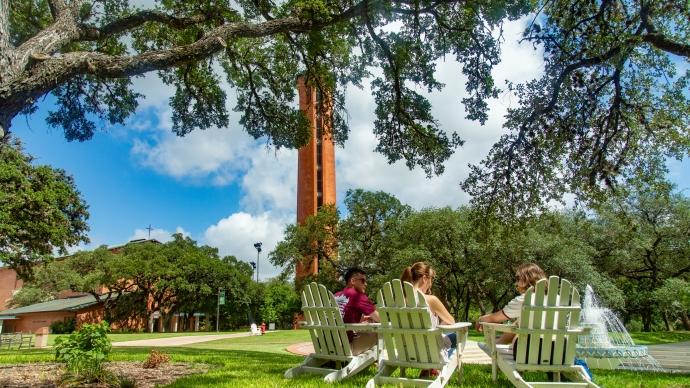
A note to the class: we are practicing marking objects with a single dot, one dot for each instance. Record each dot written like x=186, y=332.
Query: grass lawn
x=122, y=337
x=660, y=337
x=261, y=362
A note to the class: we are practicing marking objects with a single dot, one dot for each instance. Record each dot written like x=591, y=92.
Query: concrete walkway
x=674, y=356
x=178, y=341
x=472, y=354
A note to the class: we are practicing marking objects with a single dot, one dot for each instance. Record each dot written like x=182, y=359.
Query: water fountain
x=608, y=345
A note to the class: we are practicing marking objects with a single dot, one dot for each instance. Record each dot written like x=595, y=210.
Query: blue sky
x=227, y=190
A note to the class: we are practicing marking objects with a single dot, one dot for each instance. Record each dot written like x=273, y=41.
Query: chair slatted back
x=406, y=325
x=326, y=327
x=547, y=313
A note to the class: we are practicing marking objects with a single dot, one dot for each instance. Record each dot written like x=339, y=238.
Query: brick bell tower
x=315, y=166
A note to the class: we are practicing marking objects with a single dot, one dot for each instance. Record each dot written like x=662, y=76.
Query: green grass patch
x=261, y=361
x=660, y=337
x=123, y=337
x=476, y=336
x=272, y=342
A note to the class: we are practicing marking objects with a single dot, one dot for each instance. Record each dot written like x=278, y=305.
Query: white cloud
x=215, y=154
x=161, y=235
x=156, y=93
x=237, y=233
x=271, y=181
x=143, y=3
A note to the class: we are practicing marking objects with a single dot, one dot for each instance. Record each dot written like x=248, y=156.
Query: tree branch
x=92, y=33
x=659, y=40
x=56, y=7
x=24, y=86
x=4, y=26
x=662, y=42
x=48, y=41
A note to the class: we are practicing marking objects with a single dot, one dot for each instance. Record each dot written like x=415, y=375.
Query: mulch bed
x=48, y=374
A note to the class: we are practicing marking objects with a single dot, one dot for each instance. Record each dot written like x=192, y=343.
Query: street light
x=258, y=250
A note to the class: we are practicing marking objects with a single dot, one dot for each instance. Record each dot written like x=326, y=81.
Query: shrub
x=155, y=359
x=63, y=327
x=127, y=382
x=84, y=351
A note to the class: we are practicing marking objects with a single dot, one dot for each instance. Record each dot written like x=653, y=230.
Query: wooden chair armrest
x=362, y=326
x=457, y=326
x=500, y=327
x=576, y=330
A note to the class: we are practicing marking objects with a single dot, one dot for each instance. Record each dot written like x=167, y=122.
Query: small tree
x=674, y=299
x=280, y=303
x=84, y=351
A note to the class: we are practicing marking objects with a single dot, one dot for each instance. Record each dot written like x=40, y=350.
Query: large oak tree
x=611, y=90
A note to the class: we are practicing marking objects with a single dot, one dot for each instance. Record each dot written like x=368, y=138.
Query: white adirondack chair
x=546, y=337
x=329, y=337
x=409, y=339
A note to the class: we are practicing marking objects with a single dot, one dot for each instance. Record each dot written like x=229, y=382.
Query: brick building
x=82, y=307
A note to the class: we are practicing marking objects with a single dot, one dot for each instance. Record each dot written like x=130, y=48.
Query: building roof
x=65, y=304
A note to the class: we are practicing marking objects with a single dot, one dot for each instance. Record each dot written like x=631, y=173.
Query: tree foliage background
x=140, y=279
x=634, y=251
x=613, y=93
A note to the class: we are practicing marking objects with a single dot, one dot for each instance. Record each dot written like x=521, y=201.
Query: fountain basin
x=611, y=357
x=633, y=351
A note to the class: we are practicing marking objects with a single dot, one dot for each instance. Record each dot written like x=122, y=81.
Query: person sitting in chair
x=356, y=307
x=526, y=276
x=421, y=275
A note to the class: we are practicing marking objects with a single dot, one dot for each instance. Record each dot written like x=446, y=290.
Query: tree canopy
x=41, y=211
x=614, y=96
x=147, y=277
x=633, y=250
x=612, y=88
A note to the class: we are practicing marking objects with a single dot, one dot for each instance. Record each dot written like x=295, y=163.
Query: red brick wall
x=93, y=314
x=9, y=282
x=29, y=323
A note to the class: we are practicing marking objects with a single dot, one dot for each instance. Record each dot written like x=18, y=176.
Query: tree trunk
x=686, y=321
x=4, y=52
x=150, y=321
x=468, y=300
x=646, y=321
x=667, y=321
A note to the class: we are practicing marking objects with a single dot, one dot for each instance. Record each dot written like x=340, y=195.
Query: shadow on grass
x=257, y=368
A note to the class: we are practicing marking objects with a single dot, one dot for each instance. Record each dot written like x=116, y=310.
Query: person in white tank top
x=422, y=276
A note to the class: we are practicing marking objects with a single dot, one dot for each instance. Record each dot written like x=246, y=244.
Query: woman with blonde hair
x=421, y=276
x=526, y=276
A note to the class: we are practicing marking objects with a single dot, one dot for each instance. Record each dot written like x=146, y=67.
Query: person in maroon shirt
x=356, y=307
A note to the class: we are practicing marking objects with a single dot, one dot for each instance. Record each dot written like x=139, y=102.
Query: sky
x=225, y=189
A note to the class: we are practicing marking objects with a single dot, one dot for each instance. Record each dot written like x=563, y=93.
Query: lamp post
x=258, y=250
